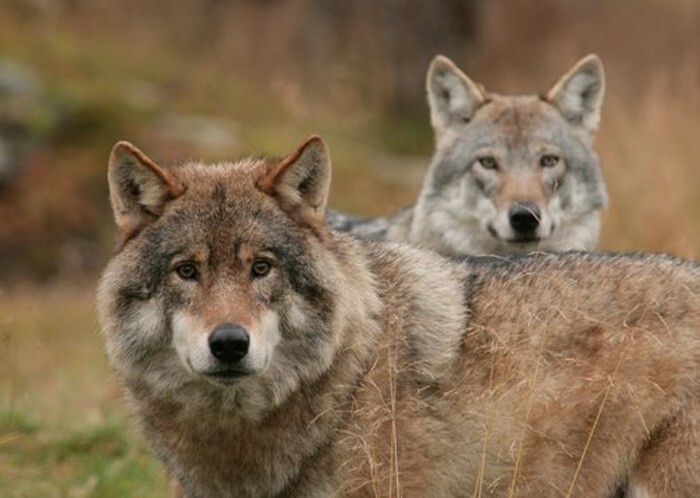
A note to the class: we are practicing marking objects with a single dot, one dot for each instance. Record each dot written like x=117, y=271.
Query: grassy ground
x=63, y=429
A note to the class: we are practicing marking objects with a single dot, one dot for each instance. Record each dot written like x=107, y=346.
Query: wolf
x=266, y=355
x=510, y=173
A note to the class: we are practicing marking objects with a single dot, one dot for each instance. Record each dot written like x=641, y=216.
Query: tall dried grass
x=651, y=150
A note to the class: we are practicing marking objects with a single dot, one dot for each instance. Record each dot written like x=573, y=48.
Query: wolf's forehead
x=222, y=200
x=218, y=231
x=235, y=175
x=516, y=112
x=519, y=122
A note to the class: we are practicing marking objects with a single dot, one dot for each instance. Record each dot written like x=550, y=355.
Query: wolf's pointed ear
x=452, y=96
x=139, y=188
x=301, y=180
x=579, y=93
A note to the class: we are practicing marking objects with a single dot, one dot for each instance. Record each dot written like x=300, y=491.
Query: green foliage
x=13, y=422
x=408, y=135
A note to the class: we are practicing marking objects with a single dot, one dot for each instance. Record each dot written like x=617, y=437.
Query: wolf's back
x=576, y=359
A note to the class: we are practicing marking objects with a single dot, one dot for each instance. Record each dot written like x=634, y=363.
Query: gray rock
x=20, y=93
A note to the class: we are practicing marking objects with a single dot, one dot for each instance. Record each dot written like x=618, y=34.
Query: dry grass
x=51, y=344
x=650, y=151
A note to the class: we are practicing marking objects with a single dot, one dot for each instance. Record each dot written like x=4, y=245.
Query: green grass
x=104, y=460
x=63, y=429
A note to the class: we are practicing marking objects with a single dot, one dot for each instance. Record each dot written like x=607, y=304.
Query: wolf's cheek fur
x=189, y=341
x=134, y=324
x=574, y=197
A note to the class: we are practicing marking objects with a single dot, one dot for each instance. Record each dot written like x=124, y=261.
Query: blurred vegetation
x=63, y=429
x=218, y=79
x=101, y=461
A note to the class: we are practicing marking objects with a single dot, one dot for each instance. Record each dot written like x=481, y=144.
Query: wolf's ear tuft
x=302, y=179
x=139, y=188
x=579, y=93
x=452, y=96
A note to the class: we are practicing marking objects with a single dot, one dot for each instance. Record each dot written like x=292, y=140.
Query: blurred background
x=219, y=79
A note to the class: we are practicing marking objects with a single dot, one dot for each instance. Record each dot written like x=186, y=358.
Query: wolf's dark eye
x=549, y=161
x=187, y=271
x=488, y=162
x=260, y=268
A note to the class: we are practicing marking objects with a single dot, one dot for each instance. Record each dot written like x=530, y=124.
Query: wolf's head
x=512, y=172
x=226, y=279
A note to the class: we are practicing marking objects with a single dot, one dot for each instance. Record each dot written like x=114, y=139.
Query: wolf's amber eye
x=260, y=268
x=488, y=162
x=549, y=161
x=187, y=271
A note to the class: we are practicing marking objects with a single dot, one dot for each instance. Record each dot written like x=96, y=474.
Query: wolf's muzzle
x=229, y=343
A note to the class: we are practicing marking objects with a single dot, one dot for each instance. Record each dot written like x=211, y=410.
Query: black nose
x=525, y=217
x=229, y=342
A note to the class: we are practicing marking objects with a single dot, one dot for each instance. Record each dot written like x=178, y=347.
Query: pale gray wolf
x=266, y=355
x=510, y=172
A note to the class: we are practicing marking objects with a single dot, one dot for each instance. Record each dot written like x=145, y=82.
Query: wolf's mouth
x=226, y=375
x=525, y=239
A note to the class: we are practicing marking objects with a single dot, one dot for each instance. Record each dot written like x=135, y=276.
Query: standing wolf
x=510, y=173
x=266, y=355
